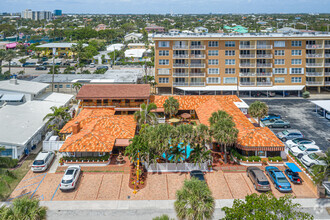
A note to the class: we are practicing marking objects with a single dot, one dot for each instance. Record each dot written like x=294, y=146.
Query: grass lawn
x=19, y=173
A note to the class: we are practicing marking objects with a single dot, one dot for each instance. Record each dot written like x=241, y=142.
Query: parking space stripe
x=20, y=196
x=98, y=191
x=38, y=186
x=43, y=174
x=246, y=183
x=28, y=185
x=55, y=191
x=224, y=176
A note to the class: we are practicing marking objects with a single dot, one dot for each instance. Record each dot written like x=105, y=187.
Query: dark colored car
x=293, y=176
x=197, y=174
x=41, y=68
x=258, y=178
x=44, y=58
x=102, y=67
x=45, y=63
x=58, y=63
x=28, y=64
x=271, y=116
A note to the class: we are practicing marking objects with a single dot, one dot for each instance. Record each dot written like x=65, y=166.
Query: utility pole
x=53, y=75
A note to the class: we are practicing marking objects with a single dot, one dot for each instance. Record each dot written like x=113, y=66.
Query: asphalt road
x=31, y=71
x=302, y=116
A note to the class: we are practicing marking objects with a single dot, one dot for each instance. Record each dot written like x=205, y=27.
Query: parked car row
x=71, y=176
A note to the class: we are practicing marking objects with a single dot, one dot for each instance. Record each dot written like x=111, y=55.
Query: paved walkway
x=55, y=164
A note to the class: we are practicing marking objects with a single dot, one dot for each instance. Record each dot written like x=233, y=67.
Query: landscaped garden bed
x=275, y=161
x=246, y=161
x=135, y=182
x=100, y=160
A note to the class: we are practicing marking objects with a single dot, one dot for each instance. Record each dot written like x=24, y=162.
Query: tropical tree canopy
x=145, y=116
x=265, y=206
x=322, y=172
x=258, y=110
x=194, y=201
x=171, y=106
x=57, y=117
x=77, y=86
x=25, y=209
x=5, y=163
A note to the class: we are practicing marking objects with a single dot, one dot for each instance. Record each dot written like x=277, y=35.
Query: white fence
x=51, y=145
x=172, y=167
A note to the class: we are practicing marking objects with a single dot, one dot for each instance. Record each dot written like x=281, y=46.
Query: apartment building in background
x=36, y=15
x=214, y=63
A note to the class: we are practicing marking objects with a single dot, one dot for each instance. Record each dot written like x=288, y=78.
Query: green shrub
x=244, y=158
x=100, y=71
x=306, y=94
x=274, y=159
x=104, y=157
x=85, y=72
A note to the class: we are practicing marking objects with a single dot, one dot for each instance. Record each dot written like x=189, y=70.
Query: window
x=164, y=53
x=230, y=53
x=230, y=44
x=213, y=52
x=213, y=62
x=279, y=44
x=296, y=70
x=213, y=71
x=68, y=86
x=230, y=80
x=279, y=80
x=295, y=79
x=213, y=80
x=6, y=153
x=279, y=70
x=213, y=43
x=61, y=86
x=163, y=44
x=279, y=52
x=296, y=52
x=164, y=62
x=296, y=61
x=163, y=71
x=230, y=62
x=279, y=61
x=230, y=71
x=163, y=80
x=296, y=43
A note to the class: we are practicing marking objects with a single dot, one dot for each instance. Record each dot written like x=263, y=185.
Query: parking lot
x=302, y=116
x=114, y=186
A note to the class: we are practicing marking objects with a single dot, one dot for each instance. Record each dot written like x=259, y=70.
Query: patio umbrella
x=185, y=115
x=174, y=120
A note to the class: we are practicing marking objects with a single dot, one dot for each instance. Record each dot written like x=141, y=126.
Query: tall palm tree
x=171, y=106
x=194, y=201
x=24, y=208
x=10, y=55
x=322, y=172
x=225, y=133
x=216, y=116
x=79, y=49
x=258, y=110
x=57, y=117
x=145, y=116
x=77, y=86
x=2, y=58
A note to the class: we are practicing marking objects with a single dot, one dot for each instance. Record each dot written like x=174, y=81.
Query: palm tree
x=216, y=116
x=79, y=50
x=2, y=58
x=322, y=172
x=199, y=140
x=58, y=116
x=10, y=55
x=145, y=116
x=258, y=110
x=171, y=106
x=194, y=201
x=5, y=163
x=225, y=133
x=24, y=208
x=77, y=86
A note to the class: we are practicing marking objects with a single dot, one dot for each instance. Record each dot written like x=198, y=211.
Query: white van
x=42, y=161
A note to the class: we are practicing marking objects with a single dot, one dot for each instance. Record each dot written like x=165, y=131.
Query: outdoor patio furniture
x=174, y=120
x=185, y=115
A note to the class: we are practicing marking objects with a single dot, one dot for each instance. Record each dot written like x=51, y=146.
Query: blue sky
x=169, y=6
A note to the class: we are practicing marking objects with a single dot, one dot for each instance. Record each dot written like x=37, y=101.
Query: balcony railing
x=180, y=65
x=247, y=83
x=265, y=74
x=315, y=83
x=269, y=65
x=197, y=56
x=327, y=46
x=247, y=46
x=318, y=55
x=197, y=74
x=327, y=55
x=314, y=46
x=197, y=65
x=180, y=56
x=180, y=74
x=314, y=73
x=180, y=84
x=247, y=74
x=326, y=83
x=326, y=64
x=197, y=83
x=327, y=73
x=264, y=83
x=247, y=56
x=180, y=47
x=314, y=64
x=264, y=46
x=247, y=65
x=264, y=55
x=199, y=47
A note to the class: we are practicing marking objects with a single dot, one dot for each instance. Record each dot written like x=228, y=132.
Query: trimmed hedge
x=274, y=159
x=244, y=158
x=80, y=159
